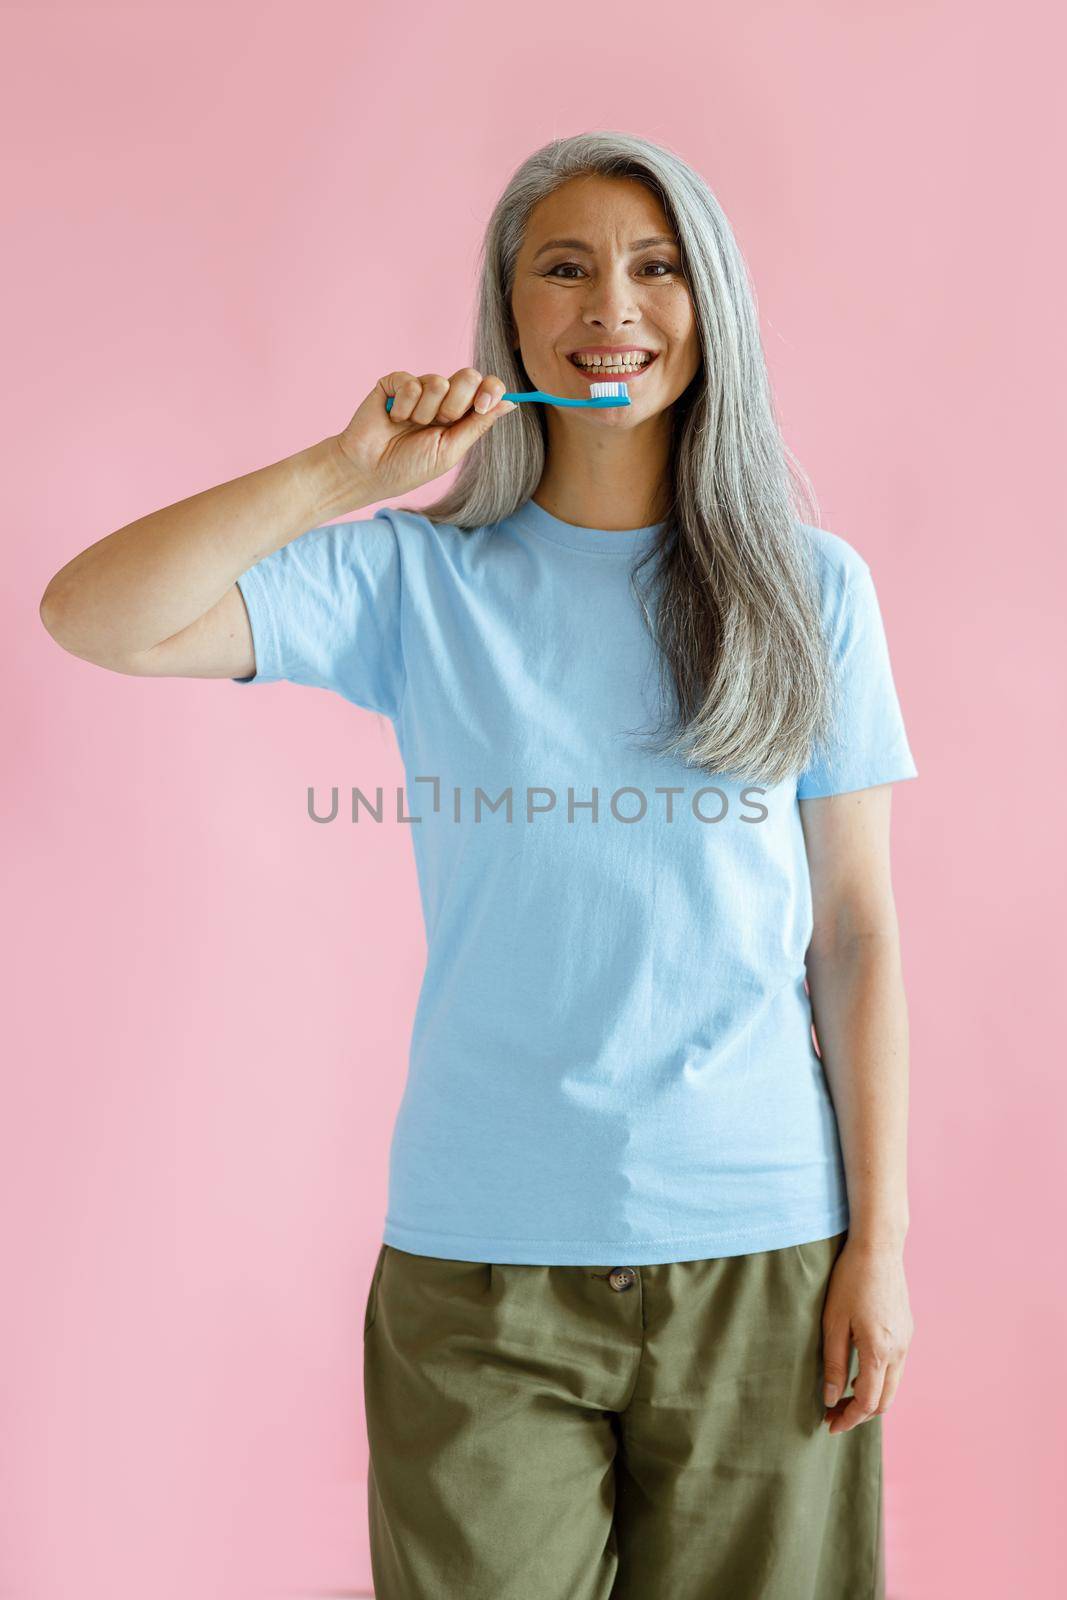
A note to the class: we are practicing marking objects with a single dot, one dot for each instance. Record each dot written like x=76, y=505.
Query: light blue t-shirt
x=612, y=1059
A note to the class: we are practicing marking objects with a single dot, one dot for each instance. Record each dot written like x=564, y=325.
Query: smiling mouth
x=607, y=369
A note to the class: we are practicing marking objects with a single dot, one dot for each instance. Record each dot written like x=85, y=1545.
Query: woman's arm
x=158, y=597
x=858, y=1002
x=861, y=1022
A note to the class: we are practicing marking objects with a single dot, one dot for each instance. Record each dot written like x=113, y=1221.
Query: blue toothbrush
x=600, y=395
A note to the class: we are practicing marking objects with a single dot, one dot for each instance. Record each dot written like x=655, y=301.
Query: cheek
x=537, y=313
x=683, y=315
x=676, y=317
x=686, y=331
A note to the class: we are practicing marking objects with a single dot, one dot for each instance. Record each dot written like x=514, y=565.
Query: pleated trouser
x=613, y=1433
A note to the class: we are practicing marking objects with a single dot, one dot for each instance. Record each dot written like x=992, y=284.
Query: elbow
x=69, y=625
x=50, y=612
x=59, y=618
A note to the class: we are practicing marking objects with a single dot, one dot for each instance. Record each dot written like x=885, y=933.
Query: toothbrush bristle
x=608, y=391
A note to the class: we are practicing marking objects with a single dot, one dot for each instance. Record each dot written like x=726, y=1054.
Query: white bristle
x=608, y=391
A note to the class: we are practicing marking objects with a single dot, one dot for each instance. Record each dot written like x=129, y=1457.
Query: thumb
x=459, y=436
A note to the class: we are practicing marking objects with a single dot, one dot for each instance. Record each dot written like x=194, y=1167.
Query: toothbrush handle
x=536, y=394
x=549, y=399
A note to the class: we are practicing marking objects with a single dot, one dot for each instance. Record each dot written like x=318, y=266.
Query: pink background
x=224, y=223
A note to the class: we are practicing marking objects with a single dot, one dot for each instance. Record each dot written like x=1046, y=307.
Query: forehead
x=605, y=210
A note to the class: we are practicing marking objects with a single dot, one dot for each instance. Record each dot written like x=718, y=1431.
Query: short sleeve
x=325, y=611
x=869, y=744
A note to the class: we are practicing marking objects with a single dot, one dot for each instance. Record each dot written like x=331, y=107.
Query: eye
x=668, y=269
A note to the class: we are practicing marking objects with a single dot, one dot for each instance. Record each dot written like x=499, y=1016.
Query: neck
x=606, y=477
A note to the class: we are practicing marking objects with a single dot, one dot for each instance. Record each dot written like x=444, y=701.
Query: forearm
x=148, y=580
x=861, y=1022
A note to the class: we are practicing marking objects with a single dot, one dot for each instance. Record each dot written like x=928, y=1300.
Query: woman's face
x=607, y=286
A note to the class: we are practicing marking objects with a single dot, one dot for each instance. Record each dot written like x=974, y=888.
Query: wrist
x=333, y=485
x=877, y=1237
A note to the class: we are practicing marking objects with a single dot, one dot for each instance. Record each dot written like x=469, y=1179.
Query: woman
x=641, y=1235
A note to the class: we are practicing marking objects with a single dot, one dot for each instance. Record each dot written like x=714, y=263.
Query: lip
x=594, y=374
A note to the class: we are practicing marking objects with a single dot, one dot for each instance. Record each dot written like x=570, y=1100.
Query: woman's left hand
x=866, y=1305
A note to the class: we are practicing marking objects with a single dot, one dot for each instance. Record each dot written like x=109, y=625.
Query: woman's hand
x=866, y=1304
x=432, y=424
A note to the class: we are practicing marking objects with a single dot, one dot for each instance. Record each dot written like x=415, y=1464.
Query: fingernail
x=829, y=1394
x=483, y=402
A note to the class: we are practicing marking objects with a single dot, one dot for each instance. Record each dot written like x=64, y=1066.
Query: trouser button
x=622, y=1277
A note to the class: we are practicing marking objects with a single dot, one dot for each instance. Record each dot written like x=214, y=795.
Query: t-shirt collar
x=607, y=541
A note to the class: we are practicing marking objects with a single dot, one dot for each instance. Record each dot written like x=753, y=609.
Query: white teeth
x=627, y=363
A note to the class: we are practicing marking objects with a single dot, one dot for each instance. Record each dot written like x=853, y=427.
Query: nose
x=610, y=302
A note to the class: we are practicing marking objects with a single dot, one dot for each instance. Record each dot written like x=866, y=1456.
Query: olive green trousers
x=613, y=1433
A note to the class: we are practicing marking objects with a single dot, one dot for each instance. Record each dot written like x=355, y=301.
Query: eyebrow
x=580, y=244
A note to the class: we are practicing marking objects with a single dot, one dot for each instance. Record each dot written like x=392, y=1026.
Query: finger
x=835, y=1356
x=491, y=390
x=463, y=386
x=405, y=389
x=866, y=1391
x=458, y=439
x=434, y=390
x=893, y=1374
x=848, y=1414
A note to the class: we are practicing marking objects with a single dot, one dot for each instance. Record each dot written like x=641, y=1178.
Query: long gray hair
x=737, y=614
